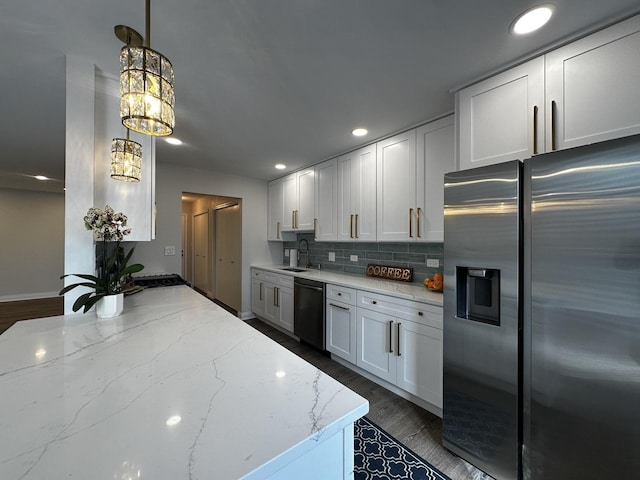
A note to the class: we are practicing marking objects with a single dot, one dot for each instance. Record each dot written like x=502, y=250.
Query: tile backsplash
x=413, y=255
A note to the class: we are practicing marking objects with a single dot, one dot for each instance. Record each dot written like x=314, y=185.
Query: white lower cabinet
x=340, y=321
x=272, y=298
x=400, y=341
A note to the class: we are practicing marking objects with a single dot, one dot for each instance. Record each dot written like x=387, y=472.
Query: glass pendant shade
x=146, y=91
x=126, y=160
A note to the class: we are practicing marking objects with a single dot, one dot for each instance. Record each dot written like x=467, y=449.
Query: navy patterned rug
x=379, y=456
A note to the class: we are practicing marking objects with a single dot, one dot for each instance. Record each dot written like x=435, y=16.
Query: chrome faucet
x=308, y=264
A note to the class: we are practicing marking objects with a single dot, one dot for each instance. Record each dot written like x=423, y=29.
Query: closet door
x=200, y=246
x=228, y=256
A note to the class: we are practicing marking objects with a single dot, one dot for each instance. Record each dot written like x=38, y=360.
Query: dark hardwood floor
x=416, y=428
x=12, y=312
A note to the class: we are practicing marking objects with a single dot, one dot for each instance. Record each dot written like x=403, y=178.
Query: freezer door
x=582, y=316
x=482, y=317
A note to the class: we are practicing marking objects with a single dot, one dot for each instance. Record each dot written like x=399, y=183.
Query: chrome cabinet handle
x=418, y=222
x=398, y=339
x=351, y=226
x=278, y=234
x=261, y=298
x=535, y=129
x=390, y=336
x=315, y=228
x=356, y=225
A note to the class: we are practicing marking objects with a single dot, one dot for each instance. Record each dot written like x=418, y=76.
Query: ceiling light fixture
x=280, y=166
x=532, y=20
x=126, y=159
x=359, y=132
x=146, y=83
x=173, y=141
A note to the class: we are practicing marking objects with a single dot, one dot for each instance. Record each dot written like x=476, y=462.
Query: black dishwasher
x=308, y=312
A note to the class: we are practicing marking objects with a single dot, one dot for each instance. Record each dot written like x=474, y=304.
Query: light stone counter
x=175, y=388
x=410, y=291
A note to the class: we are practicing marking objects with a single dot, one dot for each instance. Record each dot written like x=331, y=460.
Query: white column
x=79, y=164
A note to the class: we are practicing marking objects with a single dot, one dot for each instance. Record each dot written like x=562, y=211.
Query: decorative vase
x=110, y=306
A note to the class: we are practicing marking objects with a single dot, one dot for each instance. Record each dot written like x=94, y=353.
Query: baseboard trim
x=17, y=297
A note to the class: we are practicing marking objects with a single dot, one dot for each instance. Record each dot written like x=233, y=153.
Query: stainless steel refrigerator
x=542, y=315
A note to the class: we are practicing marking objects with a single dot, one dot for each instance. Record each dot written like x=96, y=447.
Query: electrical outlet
x=433, y=262
x=353, y=258
x=332, y=256
x=170, y=250
x=286, y=253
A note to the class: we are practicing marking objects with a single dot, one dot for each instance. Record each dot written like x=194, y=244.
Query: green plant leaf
x=82, y=284
x=91, y=302
x=82, y=301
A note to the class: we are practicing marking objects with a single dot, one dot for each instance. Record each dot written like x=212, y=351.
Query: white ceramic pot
x=110, y=306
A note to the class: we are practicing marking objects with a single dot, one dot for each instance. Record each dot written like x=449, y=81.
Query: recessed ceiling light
x=281, y=166
x=360, y=132
x=174, y=420
x=173, y=141
x=532, y=20
x=40, y=177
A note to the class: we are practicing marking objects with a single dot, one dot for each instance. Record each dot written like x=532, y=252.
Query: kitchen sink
x=293, y=269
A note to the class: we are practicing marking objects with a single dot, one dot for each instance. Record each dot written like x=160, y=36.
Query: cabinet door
x=285, y=303
x=593, y=84
x=306, y=199
x=436, y=156
x=289, y=201
x=501, y=118
x=419, y=361
x=396, y=192
x=276, y=209
x=271, y=307
x=375, y=350
x=357, y=195
x=257, y=297
x=326, y=201
x=341, y=330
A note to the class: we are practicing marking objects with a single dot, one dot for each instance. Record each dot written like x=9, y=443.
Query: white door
x=419, y=360
x=501, y=118
x=276, y=208
x=396, y=193
x=183, y=249
x=592, y=88
x=289, y=201
x=257, y=297
x=201, y=246
x=326, y=193
x=285, y=303
x=341, y=330
x=356, y=207
x=306, y=199
x=436, y=156
x=376, y=348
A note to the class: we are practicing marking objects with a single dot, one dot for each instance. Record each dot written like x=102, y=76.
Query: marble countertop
x=410, y=291
x=175, y=388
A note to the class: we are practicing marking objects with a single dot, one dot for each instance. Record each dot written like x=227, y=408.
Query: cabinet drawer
x=258, y=274
x=341, y=294
x=430, y=315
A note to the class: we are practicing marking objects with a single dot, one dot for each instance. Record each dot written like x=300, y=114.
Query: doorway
x=212, y=247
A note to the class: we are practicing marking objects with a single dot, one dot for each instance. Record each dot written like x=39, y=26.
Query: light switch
x=332, y=256
x=353, y=258
x=286, y=253
x=170, y=250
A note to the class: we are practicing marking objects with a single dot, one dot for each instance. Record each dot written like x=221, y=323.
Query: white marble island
x=175, y=388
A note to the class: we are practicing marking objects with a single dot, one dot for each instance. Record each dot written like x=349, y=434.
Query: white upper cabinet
x=593, y=87
x=584, y=92
x=435, y=151
x=276, y=209
x=396, y=195
x=357, y=195
x=502, y=118
x=326, y=201
x=297, y=201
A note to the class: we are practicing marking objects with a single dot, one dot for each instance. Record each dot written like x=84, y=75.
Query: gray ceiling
x=260, y=82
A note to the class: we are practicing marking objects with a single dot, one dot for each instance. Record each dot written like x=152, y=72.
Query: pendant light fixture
x=126, y=159
x=146, y=83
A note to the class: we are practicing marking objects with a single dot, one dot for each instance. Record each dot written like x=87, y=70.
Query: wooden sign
x=403, y=274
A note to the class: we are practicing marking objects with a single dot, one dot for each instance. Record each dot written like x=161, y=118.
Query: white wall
x=32, y=244
x=171, y=181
